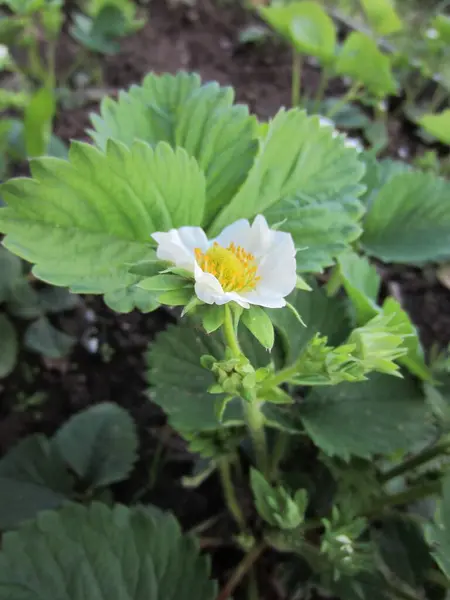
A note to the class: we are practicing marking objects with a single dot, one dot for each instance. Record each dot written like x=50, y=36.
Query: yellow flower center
x=233, y=267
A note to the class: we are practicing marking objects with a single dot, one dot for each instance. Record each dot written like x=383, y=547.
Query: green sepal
x=191, y=306
x=302, y=285
x=296, y=314
x=179, y=297
x=260, y=325
x=220, y=406
x=162, y=283
x=212, y=317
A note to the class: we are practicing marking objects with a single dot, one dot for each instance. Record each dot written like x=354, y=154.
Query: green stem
x=255, y=424
x=279, y=378
x=419, y=459
x=279, y=450
x=241, y=570
x=413, y=494
x=348, y=97
x=230, y=333
x=296, y=78
x=229, y=493
x=324, y=77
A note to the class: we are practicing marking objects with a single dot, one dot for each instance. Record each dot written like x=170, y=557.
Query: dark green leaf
x=9, y=346
x=43, y=338
x=10, y=272
x=438, y=533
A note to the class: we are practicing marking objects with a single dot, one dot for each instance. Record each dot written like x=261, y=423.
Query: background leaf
x=438, y=533
x=9, y=346
x=378, y=416
x=45, y=339
x=10, y=272
x=99, y=444
x=38, y=121
x=382, y=16
x=374, y=72
x=96, y=552
x=32, y=478
x=408, y=221
x=437, y=125
x=362, y=284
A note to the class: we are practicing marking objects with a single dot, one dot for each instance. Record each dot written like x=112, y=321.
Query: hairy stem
x=230, y=494
x=230, y=333
x=441, y=447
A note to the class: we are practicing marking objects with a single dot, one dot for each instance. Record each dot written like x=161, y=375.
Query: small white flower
x=246, y=264
x=432, y=34
x=4, y=53
x=354, y=143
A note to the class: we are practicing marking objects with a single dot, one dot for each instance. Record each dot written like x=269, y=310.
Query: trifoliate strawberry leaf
x=378, y=416
x=362, y=284
x=312, y=167
x=199, y=118
x=99, y=552
x=32, y=478
x=306, y=25
x=438, y=533
x=99, y=444
x=80, y=221
x=374, y=72
x=408, y=221
x=179, y=383
x=322, y=315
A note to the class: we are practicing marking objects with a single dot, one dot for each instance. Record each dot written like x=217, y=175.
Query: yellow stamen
x=234, y=267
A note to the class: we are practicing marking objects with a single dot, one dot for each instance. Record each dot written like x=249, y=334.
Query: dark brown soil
x=202, y=38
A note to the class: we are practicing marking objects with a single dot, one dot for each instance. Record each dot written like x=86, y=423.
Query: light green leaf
x=99, y=552
x=259, y=323
x=101, y=209
x=99, y=444
x=212, y=317
x=308, y=169
x=163, y=283
x=45, y=339
x=306, y=25
x=437, y=125
x=409, y=220
x=362, y=284
x=32, y=478
x=379, y=416
x=126, y=299
x=200, y=119
x=180, y=384
x=374, y=71
x=9, y=346
x=414, y=360
x=323, y=315
x=10, y=272
x=38, y=121
x=382, y=16
x=438, y=533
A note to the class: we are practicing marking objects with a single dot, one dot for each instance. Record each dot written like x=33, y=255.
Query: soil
x=205, y=38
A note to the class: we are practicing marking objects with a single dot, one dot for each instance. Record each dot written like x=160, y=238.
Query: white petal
x=233, y=233
x=264, y=298
x=278, y=268
x=177, y=245
x=209, y=290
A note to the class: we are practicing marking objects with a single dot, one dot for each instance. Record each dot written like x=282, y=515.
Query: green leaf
x=32, y=478
x=101, y=208
x=259, y=323
x=306, y=25
x=382, y=16
x=45, y=339
x=124, y=300
x=200, y=119
x=163, y=283
x=38, y=121
x=212, y=317
x=99, y=444
x=10, y=272
x=9, y=346
x=414, y=360
x=180, y=384
x=408, y=221
x=99, y=552
x=438, y=533
x=323, y=315
x=437, y=125
x=374, y=72
x=56, y=300
x=379, y=416
x=362, y=284
x=305, y=171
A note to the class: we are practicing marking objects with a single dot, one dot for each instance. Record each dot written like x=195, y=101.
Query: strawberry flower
x=246, y=263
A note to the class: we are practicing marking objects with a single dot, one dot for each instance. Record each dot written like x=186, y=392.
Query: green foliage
x=143, y=555
x=275, y=505
x=45, y=339
x=32, y=478
x=362, y=284
x=437, y=125
x=373, y=72
x=306, y=25
x=9, y=346
x=408, y=220
x=438, y=533
x=378, y=416
x=259, y=323
x=382, y=16
x=109, y=443
x=38, y=121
